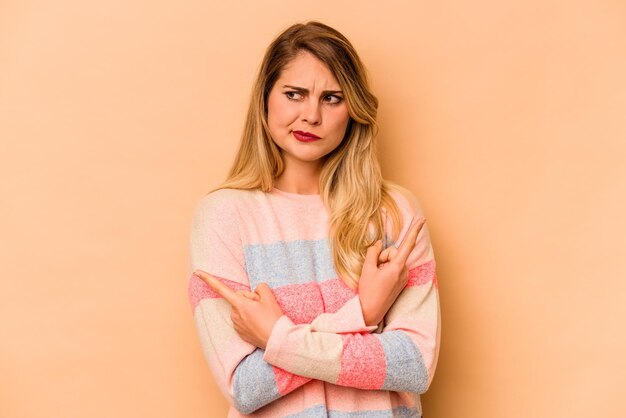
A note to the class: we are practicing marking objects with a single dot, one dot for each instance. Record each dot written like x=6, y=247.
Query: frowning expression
x=306, y=110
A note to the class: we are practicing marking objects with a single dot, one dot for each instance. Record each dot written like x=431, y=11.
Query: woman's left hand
x=253, y=313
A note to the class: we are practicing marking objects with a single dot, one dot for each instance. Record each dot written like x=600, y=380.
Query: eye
x=293, y=95
x=333, y=99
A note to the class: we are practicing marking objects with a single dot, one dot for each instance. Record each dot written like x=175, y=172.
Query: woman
x=304, y=303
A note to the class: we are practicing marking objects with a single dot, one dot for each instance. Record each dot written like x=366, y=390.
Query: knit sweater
x=321, y=360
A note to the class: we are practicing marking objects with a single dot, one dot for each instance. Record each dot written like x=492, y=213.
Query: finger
x=385, y=255
x=221, y=289
x=371, y=256
x=247, y=294
x=393, y=251
x=408, y=242
x=264, y=291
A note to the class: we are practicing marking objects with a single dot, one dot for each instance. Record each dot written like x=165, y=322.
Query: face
x=304, y=104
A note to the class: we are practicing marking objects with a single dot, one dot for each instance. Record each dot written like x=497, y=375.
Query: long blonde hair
x=351, y=185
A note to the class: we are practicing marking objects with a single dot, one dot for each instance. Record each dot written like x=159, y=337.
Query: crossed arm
x=338, y=348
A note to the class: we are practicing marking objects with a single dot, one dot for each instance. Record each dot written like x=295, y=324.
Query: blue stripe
x=405, y=367
x=320, y=411
x=401, y=411
x=314, y=412
x=293, y=262
x=254, y=384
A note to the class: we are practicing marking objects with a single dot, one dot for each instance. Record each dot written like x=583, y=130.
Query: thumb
x=268, y=301
x=392, y=252
x=264, y=291
x=371, y=256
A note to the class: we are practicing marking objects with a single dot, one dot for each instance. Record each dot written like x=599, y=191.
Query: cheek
x=339, y=120
x=279, y=112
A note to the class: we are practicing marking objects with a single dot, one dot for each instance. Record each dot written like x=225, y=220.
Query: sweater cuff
x=348, y=319
x=278, y=334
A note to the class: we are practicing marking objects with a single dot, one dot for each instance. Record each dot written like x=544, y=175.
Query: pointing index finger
x=219, y=287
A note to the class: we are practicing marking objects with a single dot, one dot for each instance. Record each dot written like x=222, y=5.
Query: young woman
x=313, y=287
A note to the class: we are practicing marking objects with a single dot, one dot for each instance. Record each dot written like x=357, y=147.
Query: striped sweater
x=321, y=360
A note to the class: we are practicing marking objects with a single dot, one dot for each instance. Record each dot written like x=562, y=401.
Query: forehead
x=306, y=70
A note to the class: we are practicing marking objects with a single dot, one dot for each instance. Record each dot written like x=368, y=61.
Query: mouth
x=305, y=136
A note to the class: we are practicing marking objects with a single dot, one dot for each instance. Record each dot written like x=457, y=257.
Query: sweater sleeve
x=401, y=358
x=247, y=381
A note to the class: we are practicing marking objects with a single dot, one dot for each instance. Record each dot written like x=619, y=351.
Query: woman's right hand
x=385, y=274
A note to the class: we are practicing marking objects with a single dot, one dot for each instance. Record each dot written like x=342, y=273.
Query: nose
x=311, y=112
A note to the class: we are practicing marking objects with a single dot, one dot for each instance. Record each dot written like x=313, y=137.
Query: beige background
x=506, y=119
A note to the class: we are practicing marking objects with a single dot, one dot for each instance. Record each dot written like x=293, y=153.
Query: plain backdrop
x=505, y=118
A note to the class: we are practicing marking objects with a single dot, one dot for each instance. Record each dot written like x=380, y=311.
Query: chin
x=308, y=158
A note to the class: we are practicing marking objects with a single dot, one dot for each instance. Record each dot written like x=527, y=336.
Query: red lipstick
x=305, y=136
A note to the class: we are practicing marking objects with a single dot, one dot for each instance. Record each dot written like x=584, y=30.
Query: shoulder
x=221, y=207
x=222, y=201
x=406, y=200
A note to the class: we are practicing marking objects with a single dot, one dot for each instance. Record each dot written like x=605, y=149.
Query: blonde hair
x=351, y=185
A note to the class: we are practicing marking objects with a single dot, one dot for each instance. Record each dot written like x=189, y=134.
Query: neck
x=299, y=177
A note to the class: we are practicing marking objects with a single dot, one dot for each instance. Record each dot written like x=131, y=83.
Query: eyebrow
x=303, y=90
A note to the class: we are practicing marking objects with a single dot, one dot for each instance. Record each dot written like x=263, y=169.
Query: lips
x=305, y=136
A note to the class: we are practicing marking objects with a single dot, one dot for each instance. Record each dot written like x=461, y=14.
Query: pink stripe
x=302, y=303
x=421, y=274
x=199, y=290
x=286, y=382
x=363, y=363
x=335, y=293
x=266, y=231
x=354, y=400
